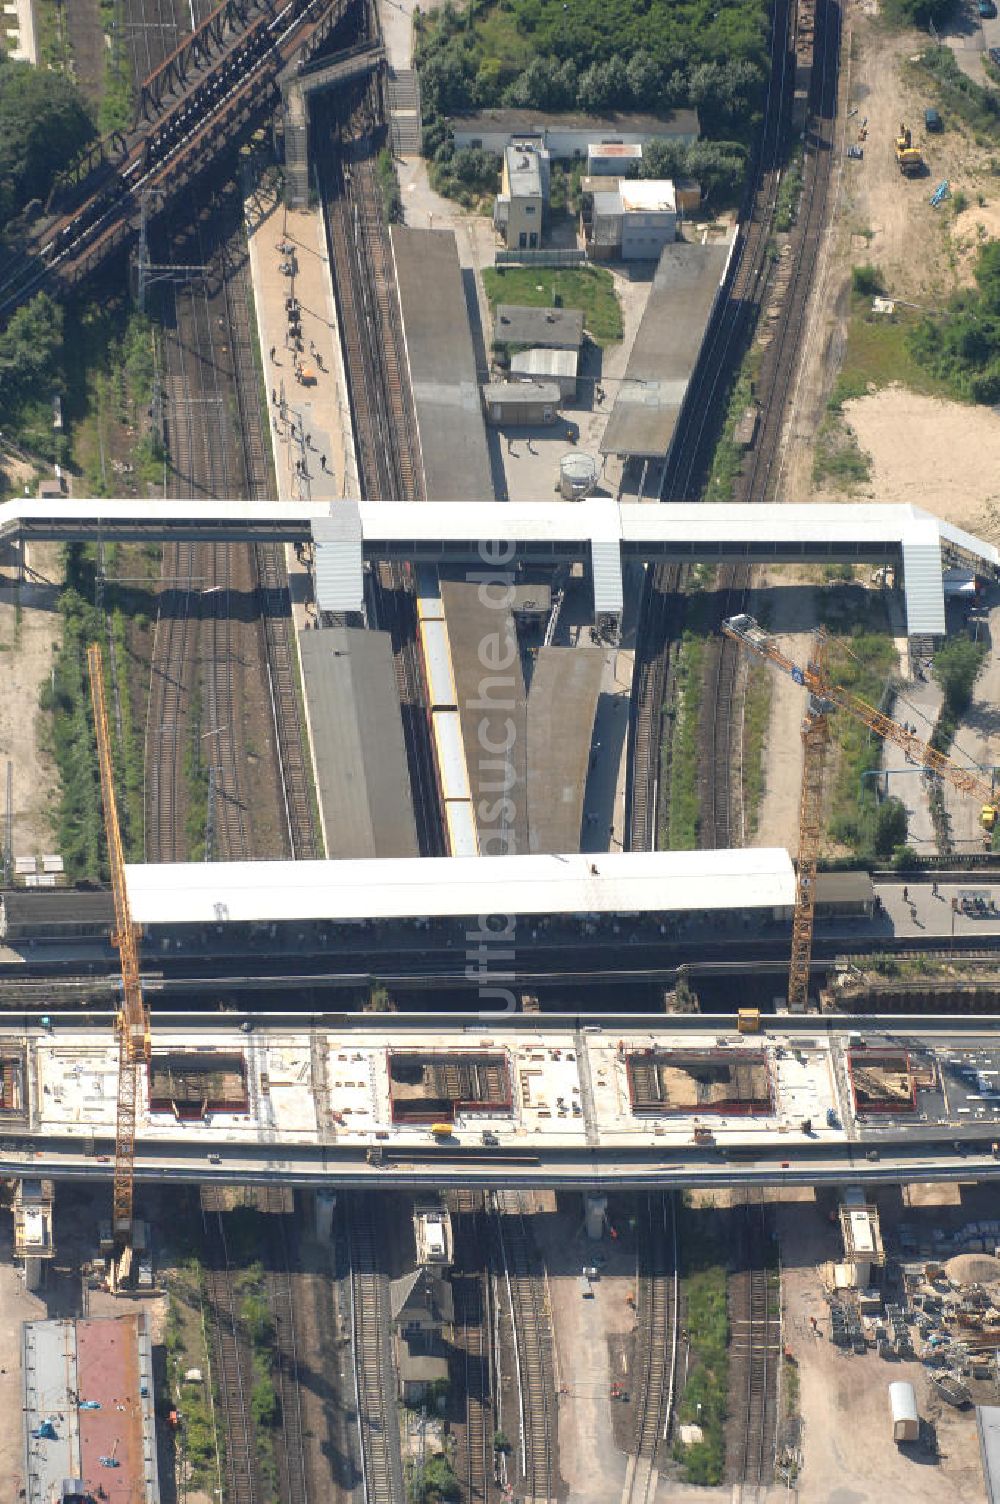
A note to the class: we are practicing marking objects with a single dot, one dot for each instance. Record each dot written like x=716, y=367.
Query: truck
x=905, y=1420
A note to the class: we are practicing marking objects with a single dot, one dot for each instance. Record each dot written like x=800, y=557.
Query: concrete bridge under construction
x=587, y=1102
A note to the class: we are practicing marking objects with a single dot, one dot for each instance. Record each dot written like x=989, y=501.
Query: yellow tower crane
x=824, y=697
x=132, y=1020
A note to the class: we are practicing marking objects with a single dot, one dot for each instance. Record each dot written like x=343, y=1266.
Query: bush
x=922, y=13
x=890, y=826
x=955, y=668
x=962, y=346
x=867, y=281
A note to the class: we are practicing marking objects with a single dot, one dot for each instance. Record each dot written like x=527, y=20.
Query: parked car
x=993, y=54
x=932, y=120
x=987, y=10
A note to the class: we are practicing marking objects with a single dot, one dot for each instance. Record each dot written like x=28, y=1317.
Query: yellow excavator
x=909, y=158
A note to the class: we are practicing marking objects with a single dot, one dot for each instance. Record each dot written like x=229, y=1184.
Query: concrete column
x=594, y=1209
x=323, y=1215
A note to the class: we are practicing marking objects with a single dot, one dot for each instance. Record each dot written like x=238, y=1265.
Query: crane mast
x=824, y=697
x=132, y=1020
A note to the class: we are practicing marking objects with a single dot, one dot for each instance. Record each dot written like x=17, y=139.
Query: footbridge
x=584, y=1102
x=605, y=535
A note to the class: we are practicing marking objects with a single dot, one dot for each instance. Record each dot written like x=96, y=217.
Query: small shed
x=614, y=159
x=521, y=404
x=548, y=328
x=845, y=894
x=540, y=365
x=905, y=1419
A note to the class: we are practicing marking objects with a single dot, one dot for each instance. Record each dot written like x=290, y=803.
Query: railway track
x=661, y=609
x=381, y=1462
x=382, y=416
x=278, y=1204
x=754, y=1357
x=232, y=1360
x=532, y=1336
x=655, y=1359
x=473, y=1326
x=268, y=562
x=722, y=822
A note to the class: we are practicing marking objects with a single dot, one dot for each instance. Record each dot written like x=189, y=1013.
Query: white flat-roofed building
x=635, y=220
x=666, y=882
x=614, y=159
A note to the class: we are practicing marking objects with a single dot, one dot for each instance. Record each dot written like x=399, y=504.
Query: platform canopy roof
x=445, y=887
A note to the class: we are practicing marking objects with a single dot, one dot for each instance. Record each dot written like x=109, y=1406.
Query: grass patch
x=864, y=661
x=786, y=209
x=590, y=288
x=878, y=354
x=756, y=720
x=705, y=1396
x=199, y=1444
x=69, y=735
x=392, y=199
x=684, y=805
x=196, y=776
x=838, y=459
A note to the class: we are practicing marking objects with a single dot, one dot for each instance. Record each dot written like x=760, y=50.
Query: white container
x=905, y=1420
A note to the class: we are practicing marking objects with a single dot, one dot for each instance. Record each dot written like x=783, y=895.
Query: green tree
x=30, y=352
x=956, y=665
x=44, y=124
x=890, y=826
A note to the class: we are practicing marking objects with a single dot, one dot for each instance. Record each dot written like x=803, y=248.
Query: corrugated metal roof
x=606, y=562
x=539, y=361
x=922, y=580
x=619, y=882
x=340, y=578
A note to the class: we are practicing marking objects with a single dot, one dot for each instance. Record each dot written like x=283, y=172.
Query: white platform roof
x=444, y=887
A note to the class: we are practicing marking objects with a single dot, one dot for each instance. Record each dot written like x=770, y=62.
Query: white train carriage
x=435, y=651
x=453, y=770
x=460, y=821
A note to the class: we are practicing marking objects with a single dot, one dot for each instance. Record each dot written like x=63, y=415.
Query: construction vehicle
x=824, y=697
x=132, y=1018
x=909, y=159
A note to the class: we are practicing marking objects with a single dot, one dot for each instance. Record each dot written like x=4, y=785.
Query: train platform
x=310, y=429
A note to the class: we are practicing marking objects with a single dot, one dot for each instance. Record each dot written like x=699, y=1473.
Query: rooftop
x=547, y=328
x=666, y=349
x=521, y=393
x=647, y=196
x=442, y=365
x=537, y=122
x=562, y=703
x=438, y=887
x=356, y=729
x=91, y=1383
x=524, y=171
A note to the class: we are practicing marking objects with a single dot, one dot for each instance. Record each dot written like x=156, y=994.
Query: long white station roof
x=444, y=887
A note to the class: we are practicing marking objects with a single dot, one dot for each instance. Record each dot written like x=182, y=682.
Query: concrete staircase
x=403, y=88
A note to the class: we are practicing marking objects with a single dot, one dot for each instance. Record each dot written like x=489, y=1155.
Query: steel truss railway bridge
x=484, y=536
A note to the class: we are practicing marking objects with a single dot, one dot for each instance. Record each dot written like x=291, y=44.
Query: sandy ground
x=29, y=633
x=590, y=1462
x=878, y=217
x=848, y=1454
x=944, y=456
